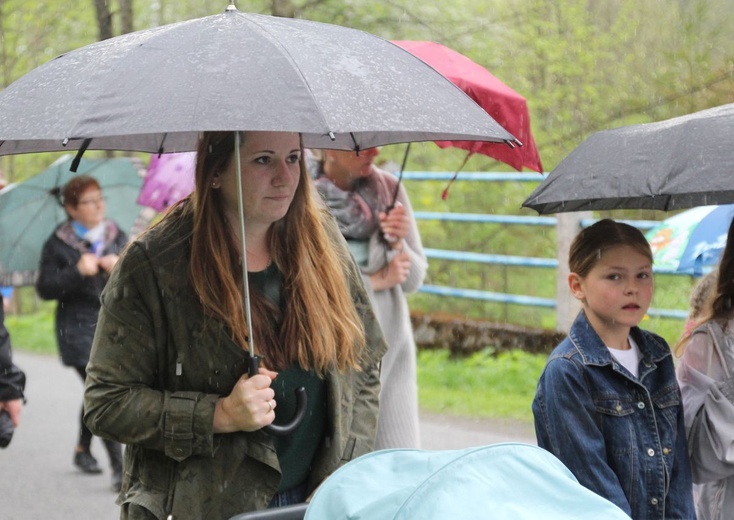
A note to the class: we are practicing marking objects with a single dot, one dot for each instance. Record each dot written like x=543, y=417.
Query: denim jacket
x=621, y=436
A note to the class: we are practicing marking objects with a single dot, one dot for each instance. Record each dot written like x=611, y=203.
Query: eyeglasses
x=97, y=201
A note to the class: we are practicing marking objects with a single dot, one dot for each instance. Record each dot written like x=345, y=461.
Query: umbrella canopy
x=29, y=211
x=156, y=90
x=674, y=164
x=691, y=240
x=170, y=177
x=506, y=106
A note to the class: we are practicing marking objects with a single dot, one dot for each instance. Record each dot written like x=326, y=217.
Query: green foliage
x=33, y=332
x=483, y=385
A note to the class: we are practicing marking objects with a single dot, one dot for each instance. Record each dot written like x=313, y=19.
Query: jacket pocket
x=613, y=406
x=667, y=402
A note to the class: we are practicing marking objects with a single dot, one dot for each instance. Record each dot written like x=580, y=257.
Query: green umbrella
x=30, y=210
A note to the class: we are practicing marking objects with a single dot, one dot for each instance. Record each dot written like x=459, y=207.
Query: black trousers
x=114, y=449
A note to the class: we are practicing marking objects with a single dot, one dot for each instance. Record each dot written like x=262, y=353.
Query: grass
x=481, y=386
x=33, y=332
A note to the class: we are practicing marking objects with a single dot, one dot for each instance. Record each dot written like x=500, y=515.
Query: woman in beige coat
x=375, y=216
x=168, y=371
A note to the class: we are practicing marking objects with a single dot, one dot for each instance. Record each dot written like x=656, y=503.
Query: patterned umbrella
x=170, y=178
x=691, y=240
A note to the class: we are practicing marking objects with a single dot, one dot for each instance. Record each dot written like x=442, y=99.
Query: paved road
x=38, y=480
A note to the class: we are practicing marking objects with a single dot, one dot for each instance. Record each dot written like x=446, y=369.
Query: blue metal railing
x=508, y=260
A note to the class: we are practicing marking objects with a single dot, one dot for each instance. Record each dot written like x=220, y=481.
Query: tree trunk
x=126, y=16
x=283, y=8
x=104, y=19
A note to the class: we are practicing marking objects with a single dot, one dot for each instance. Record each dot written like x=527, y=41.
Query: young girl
x=608, y=404
x=706, y=375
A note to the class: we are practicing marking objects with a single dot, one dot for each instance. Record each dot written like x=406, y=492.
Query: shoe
x=116, y=480
x=85, y=462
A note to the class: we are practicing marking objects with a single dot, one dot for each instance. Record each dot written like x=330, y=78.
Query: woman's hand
x=88, y=264
x=107, y=262
x=395, y=223
x=394, y=273
x=249, y=406
x=13, y=408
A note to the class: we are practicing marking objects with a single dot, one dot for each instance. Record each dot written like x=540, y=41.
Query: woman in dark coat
x=75, y=264
x=12, y=384
x=168, y=375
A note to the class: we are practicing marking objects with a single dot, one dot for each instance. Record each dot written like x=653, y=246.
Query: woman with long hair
x=168, y=374
x=706, y=377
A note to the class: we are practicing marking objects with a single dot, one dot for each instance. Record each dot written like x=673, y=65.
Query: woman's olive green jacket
x=158, y=366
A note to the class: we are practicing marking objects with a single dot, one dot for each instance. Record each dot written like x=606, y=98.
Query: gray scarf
x=355, y=211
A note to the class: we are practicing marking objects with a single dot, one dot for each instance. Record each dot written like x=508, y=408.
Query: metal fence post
x=567, y=227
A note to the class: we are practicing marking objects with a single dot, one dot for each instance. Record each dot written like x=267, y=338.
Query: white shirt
x=630, y=358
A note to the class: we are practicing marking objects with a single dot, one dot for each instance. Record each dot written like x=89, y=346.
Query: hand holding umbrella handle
x=301, y=401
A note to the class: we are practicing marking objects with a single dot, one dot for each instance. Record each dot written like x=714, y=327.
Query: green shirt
x=295, y=451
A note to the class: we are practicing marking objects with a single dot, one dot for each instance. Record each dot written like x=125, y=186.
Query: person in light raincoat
x=706, y=376
x=168, y=371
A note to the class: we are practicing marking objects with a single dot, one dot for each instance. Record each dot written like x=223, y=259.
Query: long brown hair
x=720, y=306
x=319, y=327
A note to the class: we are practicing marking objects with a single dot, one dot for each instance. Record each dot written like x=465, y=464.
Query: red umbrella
x=505, y=105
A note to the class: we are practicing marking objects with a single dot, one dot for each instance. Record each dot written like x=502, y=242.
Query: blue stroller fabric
x=512, y=481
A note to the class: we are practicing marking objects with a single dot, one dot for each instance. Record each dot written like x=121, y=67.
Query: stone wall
x=464, y=336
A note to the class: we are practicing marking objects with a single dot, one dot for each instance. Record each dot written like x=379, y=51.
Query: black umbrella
x=156, y=90
x=673, y=164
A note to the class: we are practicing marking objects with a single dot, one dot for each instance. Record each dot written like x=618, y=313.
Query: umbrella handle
x=301, y=401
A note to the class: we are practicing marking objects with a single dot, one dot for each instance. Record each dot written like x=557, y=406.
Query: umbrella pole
x=400, y=179
x=245, y=281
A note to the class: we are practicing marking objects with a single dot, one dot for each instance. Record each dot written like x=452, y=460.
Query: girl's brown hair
x=319, y=327
x=591, y=242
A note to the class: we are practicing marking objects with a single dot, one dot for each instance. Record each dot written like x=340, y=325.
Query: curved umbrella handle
x=301, y=402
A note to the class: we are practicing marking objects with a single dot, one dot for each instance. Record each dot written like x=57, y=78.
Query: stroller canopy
x=501, y=481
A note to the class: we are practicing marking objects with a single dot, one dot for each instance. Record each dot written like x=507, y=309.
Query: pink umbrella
x=505, y=105
x=170, y=178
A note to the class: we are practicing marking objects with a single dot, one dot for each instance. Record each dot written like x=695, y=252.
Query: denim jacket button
x=666, y=451
x=654, y=501
x=640, y=405
x=651, y=452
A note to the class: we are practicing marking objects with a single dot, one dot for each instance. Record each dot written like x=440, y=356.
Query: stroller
x=501, y=481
